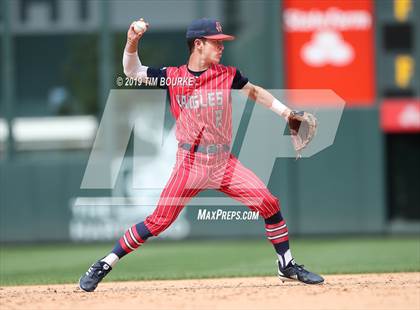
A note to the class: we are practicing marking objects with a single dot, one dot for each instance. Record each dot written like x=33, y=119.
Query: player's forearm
x=131, y=46
x=261, y=96
x=265, y=98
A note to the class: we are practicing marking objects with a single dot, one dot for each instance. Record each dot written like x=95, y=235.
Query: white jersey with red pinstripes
x=202, y=110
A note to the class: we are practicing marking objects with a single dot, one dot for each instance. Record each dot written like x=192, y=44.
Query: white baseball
x=139, y=26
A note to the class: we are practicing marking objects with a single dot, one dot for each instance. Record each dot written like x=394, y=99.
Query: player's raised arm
x=262, y=96
x=131, y=62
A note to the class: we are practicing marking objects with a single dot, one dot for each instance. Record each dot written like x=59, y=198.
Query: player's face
x=213, y=50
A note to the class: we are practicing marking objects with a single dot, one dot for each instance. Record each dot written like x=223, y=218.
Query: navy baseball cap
x=207, y=28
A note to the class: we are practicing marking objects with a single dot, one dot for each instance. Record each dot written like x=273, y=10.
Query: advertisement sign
x=329, y=45
x=400, y=115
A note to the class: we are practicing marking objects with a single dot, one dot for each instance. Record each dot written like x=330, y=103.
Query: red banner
x=399, y=115
x=329, y=45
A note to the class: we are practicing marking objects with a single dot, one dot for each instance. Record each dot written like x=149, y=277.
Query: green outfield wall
x=339, y=190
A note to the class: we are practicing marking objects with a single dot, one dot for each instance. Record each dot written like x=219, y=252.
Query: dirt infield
x=367, y=291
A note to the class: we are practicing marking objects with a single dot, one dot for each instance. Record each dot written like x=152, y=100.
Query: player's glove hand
x=302, y=126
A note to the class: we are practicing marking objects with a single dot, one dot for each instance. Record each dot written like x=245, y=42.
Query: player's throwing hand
x=132, y=34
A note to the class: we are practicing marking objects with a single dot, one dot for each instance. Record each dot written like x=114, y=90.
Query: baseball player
x=200, y=102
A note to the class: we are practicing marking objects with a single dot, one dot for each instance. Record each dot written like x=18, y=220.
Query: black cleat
x=89, y=281
x=297, y=272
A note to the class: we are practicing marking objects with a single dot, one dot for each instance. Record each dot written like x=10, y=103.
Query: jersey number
x=218, y=118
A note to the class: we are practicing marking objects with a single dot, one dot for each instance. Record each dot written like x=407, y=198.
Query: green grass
x=47, y=264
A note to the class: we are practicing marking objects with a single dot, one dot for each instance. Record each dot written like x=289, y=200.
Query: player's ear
x=198, y=43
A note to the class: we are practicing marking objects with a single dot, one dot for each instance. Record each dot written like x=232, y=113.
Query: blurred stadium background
x=60, y=58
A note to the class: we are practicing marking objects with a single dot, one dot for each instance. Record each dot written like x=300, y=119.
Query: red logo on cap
x=218, y=27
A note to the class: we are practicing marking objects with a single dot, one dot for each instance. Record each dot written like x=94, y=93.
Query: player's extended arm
x=262, y=96
x=131, y=62
x=302, y=125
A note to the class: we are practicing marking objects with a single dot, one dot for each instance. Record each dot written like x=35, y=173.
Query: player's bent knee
x=269, y=206
x=156, y=227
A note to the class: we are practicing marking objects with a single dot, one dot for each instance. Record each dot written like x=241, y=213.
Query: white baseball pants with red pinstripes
x=195, y=172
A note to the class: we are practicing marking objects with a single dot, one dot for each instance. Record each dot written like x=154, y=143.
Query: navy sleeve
x=239, y=81
x=158, y=74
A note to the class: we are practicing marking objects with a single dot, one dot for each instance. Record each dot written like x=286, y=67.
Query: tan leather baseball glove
x=302, y=126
